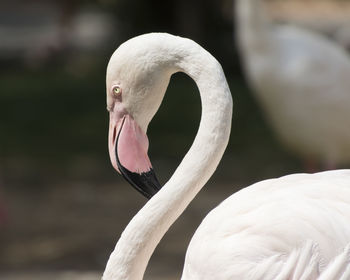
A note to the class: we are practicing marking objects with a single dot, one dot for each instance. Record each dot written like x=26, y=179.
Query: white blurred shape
x=90, y=29
x=33, y=31
x=302, y=81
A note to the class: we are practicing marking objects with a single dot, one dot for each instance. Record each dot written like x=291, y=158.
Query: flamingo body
x=301, y=80
x=253, y=233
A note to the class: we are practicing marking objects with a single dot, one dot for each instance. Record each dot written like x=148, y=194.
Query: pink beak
x=128, y=146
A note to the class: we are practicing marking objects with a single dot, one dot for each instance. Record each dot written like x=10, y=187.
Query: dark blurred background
x=62, y=206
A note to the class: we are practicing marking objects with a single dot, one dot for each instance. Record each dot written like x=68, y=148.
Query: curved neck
x=130, y=257
x=252, y=25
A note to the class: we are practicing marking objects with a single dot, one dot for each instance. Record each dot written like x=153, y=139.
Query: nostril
x=114, y=134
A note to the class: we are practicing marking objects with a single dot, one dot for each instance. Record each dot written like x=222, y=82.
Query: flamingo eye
x=117, y=91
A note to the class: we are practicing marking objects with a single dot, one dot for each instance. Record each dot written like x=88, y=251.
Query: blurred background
x=62, y=206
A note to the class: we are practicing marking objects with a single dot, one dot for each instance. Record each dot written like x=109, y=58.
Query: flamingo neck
x=130, y=257
x=252, y=26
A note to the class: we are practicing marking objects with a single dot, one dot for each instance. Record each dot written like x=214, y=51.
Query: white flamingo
x=302, y=81
x=294, y=227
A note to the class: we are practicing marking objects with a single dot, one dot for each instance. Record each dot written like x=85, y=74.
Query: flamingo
x=302, y=81
x=293, y=227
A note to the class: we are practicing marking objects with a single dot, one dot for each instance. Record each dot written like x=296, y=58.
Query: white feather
x=272, y=219
x=339, y=268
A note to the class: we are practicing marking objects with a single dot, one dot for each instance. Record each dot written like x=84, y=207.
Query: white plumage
x=294, y=227
x=261, y=231
x=302, y=81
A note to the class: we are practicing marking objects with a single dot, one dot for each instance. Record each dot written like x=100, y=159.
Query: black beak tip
x=146, y=183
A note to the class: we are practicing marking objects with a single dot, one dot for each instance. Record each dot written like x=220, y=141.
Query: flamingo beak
x=128, y=146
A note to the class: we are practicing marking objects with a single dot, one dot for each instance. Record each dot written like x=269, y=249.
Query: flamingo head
x=136, y=80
